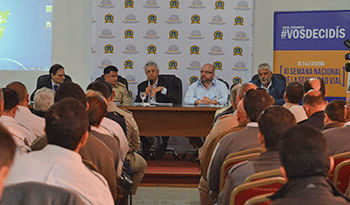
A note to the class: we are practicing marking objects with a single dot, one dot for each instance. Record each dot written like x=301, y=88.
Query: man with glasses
x=207, y=90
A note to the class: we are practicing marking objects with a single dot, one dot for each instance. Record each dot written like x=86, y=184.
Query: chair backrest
x=245, y=152
x=338, y=158
x=260, y=200
x=275, y=75
x=177, y=83
x=230, y=162
x=227, y=85
x=341, y=176
x=248, y=190
x=265, y=174
x=43, y=78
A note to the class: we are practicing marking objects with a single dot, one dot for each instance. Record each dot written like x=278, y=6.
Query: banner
x=179, y=35
x=310, y=44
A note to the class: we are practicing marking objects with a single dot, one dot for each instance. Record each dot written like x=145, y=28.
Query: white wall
x=263, y=22
x=71, y=44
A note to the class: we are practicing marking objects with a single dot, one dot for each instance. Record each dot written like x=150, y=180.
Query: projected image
x=25, y=34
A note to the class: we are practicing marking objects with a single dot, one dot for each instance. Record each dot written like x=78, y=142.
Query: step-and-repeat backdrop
x=179, y=35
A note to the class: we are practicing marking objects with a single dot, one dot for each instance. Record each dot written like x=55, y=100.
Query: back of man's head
x=304, y=152
x=335, y=110
x=256, y=101
x=54, y=68
x=243, y=89
x=272, y=122
x=110, y=68
x=66, y=123
x=11, y=99
x=314, y=98
x=315, y=84
x=97, y=109
x=233, y=94
x=100, y=87
x=21, y=90
x=70, y=89
x=294, y=92
x=43, y=99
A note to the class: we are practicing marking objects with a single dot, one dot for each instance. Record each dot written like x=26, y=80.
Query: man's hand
x=155, y=90
x=148, y=90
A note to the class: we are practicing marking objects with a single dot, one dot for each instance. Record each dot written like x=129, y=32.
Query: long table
x=173, y=121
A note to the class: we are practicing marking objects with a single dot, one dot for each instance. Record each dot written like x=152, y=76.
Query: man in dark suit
x=157, y=90
x=275, y=87
x=57, y=76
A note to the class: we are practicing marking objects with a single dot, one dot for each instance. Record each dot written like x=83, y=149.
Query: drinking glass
x=143, y=97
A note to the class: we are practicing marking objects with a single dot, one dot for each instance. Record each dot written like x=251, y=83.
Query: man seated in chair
x=59, y=163
x=110, y=75
x=57, y=76
x=156, y=90
x=275, y=87
x=207, y=90
x=306, y=163
x=273, y=121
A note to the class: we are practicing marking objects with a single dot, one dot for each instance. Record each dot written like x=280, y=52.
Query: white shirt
x=197, y=91
x=26, y=118
x=18, y=131
x=154, y=99
x=299, y=112
x=57, y=166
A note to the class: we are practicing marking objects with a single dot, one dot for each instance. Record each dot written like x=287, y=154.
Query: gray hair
x=43, y=99
x=1, y=95
x=151, y=63
x=234, y=92
x=264, y=66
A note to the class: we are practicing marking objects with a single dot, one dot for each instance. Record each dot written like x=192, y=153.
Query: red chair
x=338, y=158
x=249, y=190
x=260, y=200
x=263, y=175
x=341, y=176
x=230, y=162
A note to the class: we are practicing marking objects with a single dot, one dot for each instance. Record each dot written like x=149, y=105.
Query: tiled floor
x=166, y=196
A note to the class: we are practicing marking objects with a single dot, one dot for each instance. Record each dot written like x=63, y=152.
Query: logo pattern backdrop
x=179, y=35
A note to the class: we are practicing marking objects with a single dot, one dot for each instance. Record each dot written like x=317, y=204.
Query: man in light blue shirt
x=207, y=90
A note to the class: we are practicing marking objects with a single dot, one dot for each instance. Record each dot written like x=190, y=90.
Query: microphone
x=151, y=82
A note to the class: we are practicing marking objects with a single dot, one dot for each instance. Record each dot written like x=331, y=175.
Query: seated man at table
x=157, y=90
x=207, y=90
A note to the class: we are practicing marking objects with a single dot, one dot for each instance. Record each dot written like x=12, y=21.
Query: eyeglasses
x=206, y=72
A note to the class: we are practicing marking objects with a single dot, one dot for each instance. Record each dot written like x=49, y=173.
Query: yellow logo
x=129, y=4
x=174, y=4
x=237, y=80
x=219, y=5
x=194, y=50
x=152, y=18
x=109, y=48
x=217, y=65
x=193, y=79
x=129, y=34
x=195, y=19
x=128, y=64
x=109, y=18
x=130, y=93
x=238, y=51
x=173, y=34
x=239, y=20
x=218, y=35
x=152, y=49
x=172, y=65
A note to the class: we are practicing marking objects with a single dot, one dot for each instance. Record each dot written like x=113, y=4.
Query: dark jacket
x=276, y=90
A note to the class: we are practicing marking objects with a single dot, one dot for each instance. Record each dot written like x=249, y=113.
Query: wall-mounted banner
x=310, y=44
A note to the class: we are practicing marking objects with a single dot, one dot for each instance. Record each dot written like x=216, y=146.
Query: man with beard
x=207, y=90
x=275, y=87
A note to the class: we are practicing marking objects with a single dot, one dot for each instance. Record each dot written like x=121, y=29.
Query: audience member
x=137, y=162
x=293, y=96
x=43, y=100
x=110, y=75
x=156, y=90
x=273, y=121
x=315, y=84
x=59, y=163
x=206, y=151
x=334, y=114
x=230, y=109
x=19, y=133
x=255, y=101
x=306, y=163
x=314, y=104
x=23, y=115
x=337, y=138
x=94, y=150
x=7, y=153
x=207, y=90
x=274, y=86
